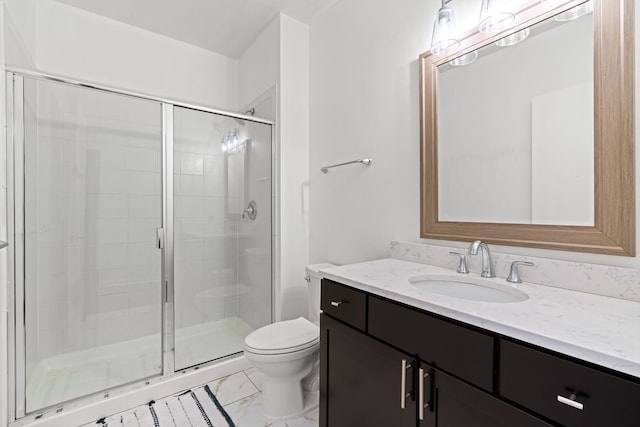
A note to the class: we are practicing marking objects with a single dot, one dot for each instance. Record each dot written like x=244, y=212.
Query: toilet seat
x=283, y=337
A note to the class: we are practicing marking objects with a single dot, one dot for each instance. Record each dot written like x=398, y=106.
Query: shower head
x=249, y=112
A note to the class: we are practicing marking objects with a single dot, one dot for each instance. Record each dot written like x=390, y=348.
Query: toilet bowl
x=286, y=353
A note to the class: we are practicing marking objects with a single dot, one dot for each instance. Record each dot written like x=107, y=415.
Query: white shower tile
x=141, y=230
x=214, y=185
x=107, y=206
x=108, y=181
x=113, y=277
x=193, y=249
x=142, y=159
x=192, y=164
x=111, y=256
x=112, y=156
x=144, y=206
x=143, y=182
x=111, y=231
x=192, y=185
x=144, y=255
x=192, y=207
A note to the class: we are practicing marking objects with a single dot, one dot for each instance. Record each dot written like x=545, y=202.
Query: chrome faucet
x=487, y=270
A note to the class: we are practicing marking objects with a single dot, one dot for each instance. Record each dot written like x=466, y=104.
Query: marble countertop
x=601, y=330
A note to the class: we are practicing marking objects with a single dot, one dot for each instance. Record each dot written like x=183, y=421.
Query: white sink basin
x=469, y=288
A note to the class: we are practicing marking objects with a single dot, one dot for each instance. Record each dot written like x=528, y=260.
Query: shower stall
x=140, y=238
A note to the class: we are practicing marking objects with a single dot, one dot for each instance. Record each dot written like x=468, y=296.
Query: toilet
x=286, y=353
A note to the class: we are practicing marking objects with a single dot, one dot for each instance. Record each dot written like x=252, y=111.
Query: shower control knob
x=251, y=211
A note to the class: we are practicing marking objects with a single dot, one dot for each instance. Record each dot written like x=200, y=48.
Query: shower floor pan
x=72, y=375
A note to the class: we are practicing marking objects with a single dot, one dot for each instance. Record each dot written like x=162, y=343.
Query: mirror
x=530, y=144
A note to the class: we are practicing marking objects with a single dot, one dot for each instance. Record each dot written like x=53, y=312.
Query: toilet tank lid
x=313, y=270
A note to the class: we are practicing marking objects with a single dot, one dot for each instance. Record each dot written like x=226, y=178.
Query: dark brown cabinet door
x=457, y=404
x=360, y=381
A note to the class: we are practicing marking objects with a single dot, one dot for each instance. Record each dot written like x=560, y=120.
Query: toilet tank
x=313, y=281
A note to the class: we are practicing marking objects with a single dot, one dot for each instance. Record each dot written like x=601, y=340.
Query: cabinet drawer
x=453, y=348
x=344, y=303
x=535, y=379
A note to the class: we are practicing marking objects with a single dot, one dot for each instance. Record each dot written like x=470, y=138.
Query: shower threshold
x=81, y=373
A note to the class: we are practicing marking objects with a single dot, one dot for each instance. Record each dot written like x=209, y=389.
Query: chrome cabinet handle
x=403, y=384
x=338, y=303
x=570, y=401
x=421, y=404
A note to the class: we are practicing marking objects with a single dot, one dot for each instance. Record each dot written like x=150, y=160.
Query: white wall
x=280, y=57
x=75, y=43
x=364, y=102
x=259, y=65
x=294, y=166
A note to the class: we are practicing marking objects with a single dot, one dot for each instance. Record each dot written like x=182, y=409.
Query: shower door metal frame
x=14, y=79
x=168, y=306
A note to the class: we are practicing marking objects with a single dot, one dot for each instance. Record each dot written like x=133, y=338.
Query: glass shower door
x=92, y=271
x=222, y=270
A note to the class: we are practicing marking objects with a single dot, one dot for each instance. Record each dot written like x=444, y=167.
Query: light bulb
x=496, y=15
x=445, y=36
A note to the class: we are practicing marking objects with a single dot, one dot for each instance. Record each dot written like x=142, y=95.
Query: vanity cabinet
x=381, y=361
x=570, y=393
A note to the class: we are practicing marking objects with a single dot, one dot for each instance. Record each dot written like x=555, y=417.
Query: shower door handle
x=160, y=238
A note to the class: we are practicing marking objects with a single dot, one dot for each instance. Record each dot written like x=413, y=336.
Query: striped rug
x=192, y=408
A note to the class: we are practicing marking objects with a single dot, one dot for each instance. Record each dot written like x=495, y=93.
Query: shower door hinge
x=160, y=238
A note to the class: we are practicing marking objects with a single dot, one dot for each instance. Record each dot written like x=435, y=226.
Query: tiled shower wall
x=206, y=210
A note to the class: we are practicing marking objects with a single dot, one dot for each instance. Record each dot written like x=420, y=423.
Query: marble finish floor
x=241, y=396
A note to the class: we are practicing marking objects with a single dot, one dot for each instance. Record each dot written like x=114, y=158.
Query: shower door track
x=174, y=102
x=15, y=191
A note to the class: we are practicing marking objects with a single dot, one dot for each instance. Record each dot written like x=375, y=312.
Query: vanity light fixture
x=576, y=12
x=514, y=38
x=231, y=143
x=465, y=59
x=496, y=15
x=445, y=32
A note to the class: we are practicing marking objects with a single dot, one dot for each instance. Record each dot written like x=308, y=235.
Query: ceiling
x=223, y=26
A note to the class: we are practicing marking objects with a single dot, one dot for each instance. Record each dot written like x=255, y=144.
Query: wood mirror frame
x=614, y=140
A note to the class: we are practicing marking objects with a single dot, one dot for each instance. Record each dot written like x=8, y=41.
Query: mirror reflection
x=516, y=128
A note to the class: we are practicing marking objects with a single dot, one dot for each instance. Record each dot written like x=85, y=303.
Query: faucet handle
x=462, y=266
x=514, y=275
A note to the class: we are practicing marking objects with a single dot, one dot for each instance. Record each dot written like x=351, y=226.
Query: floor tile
x=232, y=388
x=247, y=412
x=255, y=377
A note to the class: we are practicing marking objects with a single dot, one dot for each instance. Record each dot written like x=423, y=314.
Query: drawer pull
x=570, y=401
x=337, y=303
x=421, y=405
x=403, y=384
